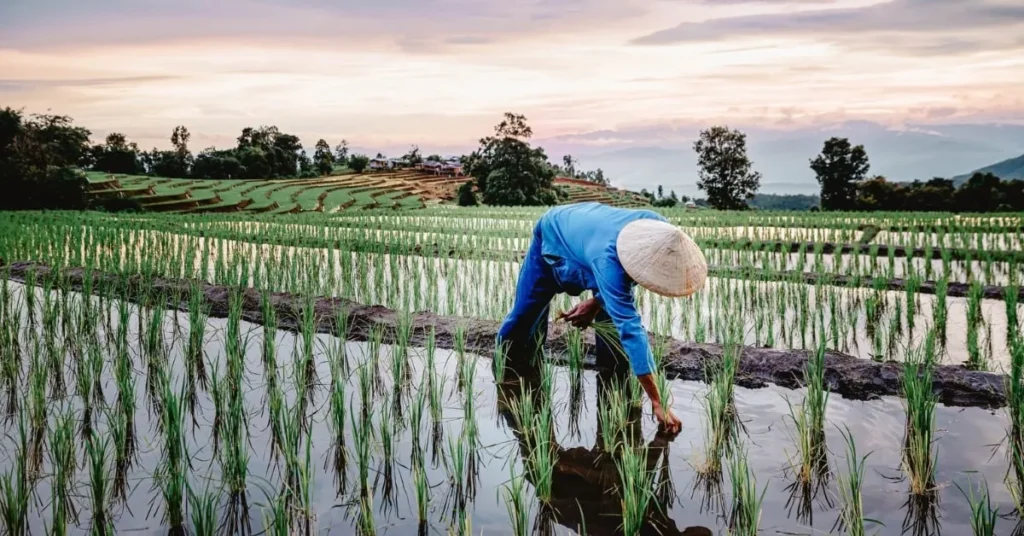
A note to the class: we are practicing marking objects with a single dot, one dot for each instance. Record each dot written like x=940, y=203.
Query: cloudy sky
x=441, y=72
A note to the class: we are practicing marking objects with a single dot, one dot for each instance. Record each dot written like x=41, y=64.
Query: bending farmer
x=590, y=246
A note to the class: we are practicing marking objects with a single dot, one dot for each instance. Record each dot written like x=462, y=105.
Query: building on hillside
x=378, y=164
x=452, y=168
x=691, y=205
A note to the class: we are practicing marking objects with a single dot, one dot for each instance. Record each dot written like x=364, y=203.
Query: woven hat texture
x=662, y=258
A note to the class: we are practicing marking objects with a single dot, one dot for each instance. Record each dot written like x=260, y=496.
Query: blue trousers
x=525, y=328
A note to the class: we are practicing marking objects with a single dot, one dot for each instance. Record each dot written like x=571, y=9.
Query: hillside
x=392, y=190
x=1009, y=169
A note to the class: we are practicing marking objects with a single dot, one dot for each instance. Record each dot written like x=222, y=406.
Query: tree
x=341, y=151
x=839, y=168
x=569, y=165
x=413, y=156
x=467, y=197
x=724, y=170
x=39, y=159
x=117, y=155
x=323, y=159
x=522, y=174
x=358, y=162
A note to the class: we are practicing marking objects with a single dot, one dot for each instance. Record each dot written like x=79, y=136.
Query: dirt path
x=845, y=375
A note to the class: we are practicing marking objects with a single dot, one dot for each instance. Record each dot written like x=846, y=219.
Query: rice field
x=121, y=413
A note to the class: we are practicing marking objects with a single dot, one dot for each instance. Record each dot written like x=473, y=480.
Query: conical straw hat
x=662, y=258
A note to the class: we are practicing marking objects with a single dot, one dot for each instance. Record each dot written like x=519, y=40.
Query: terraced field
x=396, y=190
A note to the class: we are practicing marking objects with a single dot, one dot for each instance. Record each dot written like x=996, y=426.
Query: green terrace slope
x=396, y=190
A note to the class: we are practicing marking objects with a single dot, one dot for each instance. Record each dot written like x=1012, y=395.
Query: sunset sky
x=441, y=72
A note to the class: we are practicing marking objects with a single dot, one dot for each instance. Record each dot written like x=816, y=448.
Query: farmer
x=590, y=246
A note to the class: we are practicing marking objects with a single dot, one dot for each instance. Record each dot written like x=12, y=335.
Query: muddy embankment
x=845, y=375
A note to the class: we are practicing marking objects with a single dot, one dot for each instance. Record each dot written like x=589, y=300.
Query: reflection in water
x=585, y=492
x=922, y=517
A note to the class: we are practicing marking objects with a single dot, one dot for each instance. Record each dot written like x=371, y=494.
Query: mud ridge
x=846, y=375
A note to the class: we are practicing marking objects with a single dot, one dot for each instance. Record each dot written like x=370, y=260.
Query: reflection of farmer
x=584, y=481
x=590, y=246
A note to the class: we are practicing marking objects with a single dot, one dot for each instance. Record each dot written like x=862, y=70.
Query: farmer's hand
x=582, y=315
x=667, y=421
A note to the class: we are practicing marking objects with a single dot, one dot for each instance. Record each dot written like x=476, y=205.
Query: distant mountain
x=645, y=158
x=1009, y=169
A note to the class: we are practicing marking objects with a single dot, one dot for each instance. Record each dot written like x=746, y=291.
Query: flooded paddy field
x=128, y=409
x=334, y=436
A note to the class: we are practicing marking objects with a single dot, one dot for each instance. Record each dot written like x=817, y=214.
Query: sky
x=440, y=73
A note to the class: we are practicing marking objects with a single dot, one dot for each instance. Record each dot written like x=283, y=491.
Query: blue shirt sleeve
x=616, y=295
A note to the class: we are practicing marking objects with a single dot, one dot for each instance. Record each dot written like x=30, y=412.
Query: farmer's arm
x=616, y=295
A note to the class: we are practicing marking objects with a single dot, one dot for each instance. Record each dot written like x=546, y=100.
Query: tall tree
x=341, y=151
x=839, y=168
x=413, y=156
x=323, y=159
x=569, y=165
x=39, y=156
x=117, y=155
x=508, y=170
x=724, y=169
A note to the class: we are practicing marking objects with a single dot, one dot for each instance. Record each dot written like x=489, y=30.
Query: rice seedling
x=851, y=515
x=15, y=486
x=171, y=475
x=198, y=315
x=422, y=488
x=975, y=358
x=362, y=434
x=63, y=466
x=745, y=518
x=983, y=516
x=809, y=420
x=636, y=486
x=469, y=425
x=337, y=420
x=721, y=429
x=416, y=419
x=920, y=401
x=297, y=481
x=203, y=510
x=613, y=418
x=1015, y=433
x=500, y=361
x=276, y=519
x=456, y=464
x=535, y=423
x=367, y=525
x=234, y=455
x=97, y=450
x=37, y=409
x=516, y=504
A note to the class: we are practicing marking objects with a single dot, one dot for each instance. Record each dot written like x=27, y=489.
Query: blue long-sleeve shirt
x=579, y=243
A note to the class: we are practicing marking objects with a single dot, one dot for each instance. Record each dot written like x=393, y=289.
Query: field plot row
x=391, y=190
x=867, y=320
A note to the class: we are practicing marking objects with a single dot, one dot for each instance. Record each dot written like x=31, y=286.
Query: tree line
x=42, y=157
x=842, y=171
